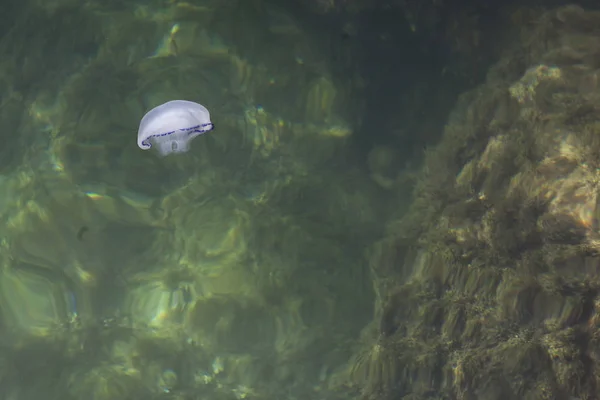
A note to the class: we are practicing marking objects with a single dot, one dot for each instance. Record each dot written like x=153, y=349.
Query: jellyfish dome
x=171, y=127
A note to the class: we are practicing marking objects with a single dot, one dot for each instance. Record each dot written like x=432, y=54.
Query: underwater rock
x=506, y=209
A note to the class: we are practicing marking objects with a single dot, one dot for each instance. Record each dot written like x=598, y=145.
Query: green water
x=234, y=271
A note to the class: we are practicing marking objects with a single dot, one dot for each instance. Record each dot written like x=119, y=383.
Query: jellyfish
x=171, y=127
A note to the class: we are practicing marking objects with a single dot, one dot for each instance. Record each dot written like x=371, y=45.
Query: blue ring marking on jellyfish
x=198, y=128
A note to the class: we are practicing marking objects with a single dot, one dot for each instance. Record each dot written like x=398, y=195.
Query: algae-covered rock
x=489, y=286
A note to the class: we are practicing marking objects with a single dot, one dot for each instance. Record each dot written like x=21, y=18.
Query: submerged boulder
x=489, y=287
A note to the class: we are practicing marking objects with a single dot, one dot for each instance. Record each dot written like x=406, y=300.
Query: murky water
x=234, y=270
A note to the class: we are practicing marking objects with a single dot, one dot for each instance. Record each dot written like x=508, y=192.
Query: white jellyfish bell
x=171, y=127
